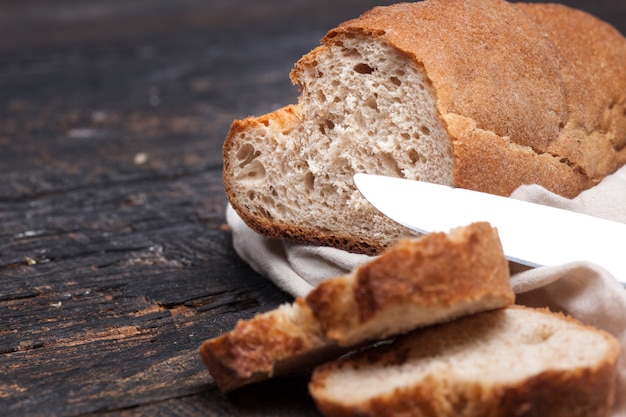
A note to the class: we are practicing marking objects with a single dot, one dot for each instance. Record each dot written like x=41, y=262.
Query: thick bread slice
x=480, y=94
x=435, y=278
x=510, y=362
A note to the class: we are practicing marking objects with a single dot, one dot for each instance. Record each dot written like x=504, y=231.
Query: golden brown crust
x=583, y=391
x=479, y=154
x=254, y=349
x=527, y=73
x=439, y=270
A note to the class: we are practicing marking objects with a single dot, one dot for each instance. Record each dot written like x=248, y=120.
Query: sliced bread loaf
x=480, y=94
x=514, y=361
x=418, y=282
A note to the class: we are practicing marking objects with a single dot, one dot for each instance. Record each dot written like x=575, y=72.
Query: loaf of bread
x=415, y=283
x=509, y=362
x=480, y=94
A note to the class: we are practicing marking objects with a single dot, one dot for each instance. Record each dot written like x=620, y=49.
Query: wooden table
x=115, y=259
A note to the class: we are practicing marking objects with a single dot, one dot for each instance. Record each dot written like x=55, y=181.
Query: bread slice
x=480, y=94
x=415, y=283
x=418, y=282
x=280, y=341
x=509, y=362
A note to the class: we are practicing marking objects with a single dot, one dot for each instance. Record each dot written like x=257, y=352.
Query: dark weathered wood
x=115, y=260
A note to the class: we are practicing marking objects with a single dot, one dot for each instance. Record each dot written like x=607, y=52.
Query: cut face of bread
x=373, y=111
x=513, y=361
x=291, y=173
x=414, y=283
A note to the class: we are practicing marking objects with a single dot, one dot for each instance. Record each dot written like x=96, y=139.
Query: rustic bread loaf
x=418, y=282
x=480, y=94
x=509, y=362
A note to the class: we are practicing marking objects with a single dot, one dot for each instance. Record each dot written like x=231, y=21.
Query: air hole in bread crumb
x=395, y=81
x=253, y=171
x=371, y=103
x=309, y=181
x=321, y=96
x=350, y=52
x=267, y=200
x=425, y=130
x=416, y=157
x=264, y=213
x=328, y=124
x=362, y=68
x=246, y=154
x=280, y=208
x=405, y=136
x=388, y=164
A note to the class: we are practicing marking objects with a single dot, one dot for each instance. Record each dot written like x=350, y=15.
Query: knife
x=531, y=234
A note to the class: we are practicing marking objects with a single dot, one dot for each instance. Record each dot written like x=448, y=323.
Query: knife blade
x=531, y=234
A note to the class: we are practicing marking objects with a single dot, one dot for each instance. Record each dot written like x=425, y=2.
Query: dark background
x=115, y=260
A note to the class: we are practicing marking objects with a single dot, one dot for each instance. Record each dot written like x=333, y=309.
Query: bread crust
x=265, y=346
x=582, y=391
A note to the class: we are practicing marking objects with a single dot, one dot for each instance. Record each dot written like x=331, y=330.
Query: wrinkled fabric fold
x=583, y=290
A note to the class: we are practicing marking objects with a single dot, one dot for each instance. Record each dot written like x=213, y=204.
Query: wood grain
x=115, y=259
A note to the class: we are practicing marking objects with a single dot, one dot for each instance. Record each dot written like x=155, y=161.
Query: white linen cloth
x=583, y=290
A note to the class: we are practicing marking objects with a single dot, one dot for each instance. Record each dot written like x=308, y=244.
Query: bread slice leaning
x=514, y=361
x=479, y=94
x=415, y=283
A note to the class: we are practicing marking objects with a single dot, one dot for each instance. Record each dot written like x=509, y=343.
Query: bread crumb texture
x=513, y=361
x=480, y=94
